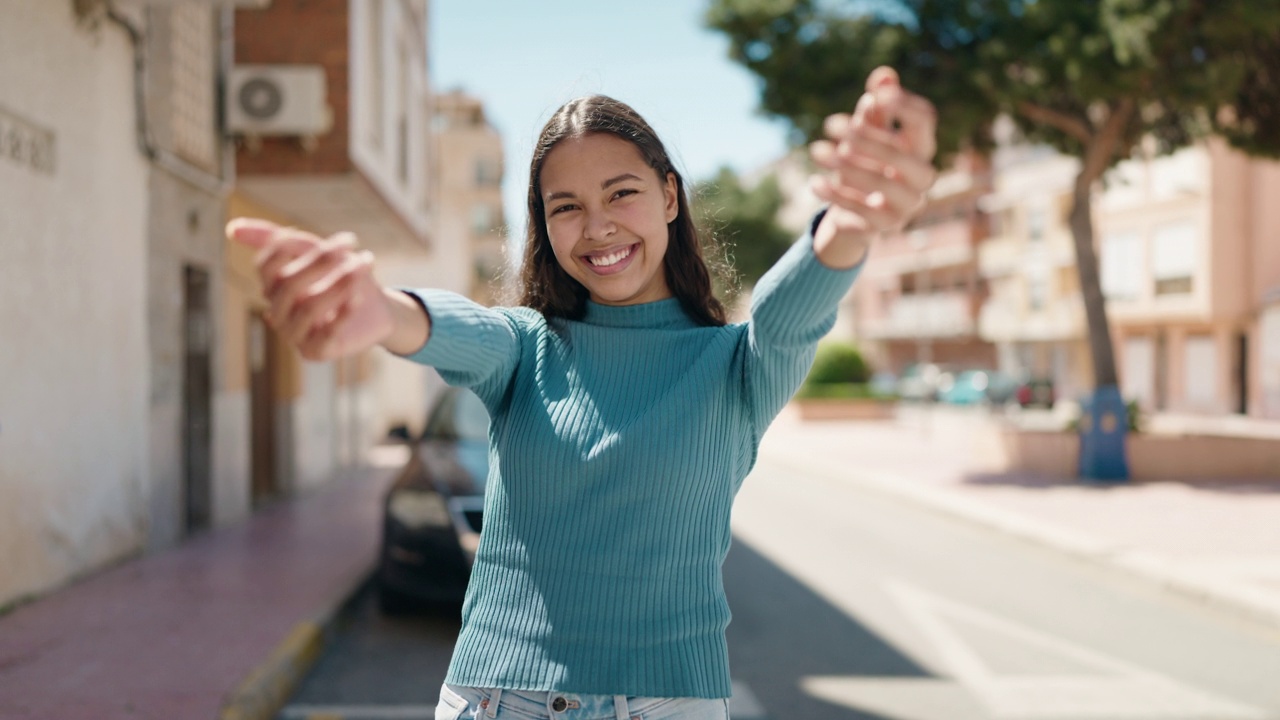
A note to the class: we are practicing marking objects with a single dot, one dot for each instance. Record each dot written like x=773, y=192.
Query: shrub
x=838, y=362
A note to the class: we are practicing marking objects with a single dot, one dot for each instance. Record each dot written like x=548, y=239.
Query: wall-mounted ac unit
x=278, y=100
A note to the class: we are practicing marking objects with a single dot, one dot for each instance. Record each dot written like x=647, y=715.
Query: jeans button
x=559, y=704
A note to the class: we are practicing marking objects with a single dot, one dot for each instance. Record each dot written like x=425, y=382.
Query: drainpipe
x=167, y=161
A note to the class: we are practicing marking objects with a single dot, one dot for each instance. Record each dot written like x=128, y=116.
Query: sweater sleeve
x=793, y=306
x=470, y=345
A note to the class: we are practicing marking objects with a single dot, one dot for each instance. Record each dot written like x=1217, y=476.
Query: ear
x=671, y=193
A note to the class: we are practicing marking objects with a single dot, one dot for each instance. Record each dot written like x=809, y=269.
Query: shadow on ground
x=782, y=633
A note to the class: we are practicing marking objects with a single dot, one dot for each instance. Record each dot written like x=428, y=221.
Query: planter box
x=1151, y=456
x=843, y=409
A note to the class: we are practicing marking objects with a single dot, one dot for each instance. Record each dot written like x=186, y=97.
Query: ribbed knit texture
x=617, y=445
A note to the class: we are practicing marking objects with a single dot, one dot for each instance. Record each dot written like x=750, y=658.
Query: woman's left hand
x=879, y=168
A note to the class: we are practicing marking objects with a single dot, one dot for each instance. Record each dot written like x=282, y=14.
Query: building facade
x=332, y=136
x=1190, y=272
x=919, y=297
x=471, y=226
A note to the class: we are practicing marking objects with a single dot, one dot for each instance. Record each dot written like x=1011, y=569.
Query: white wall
x=73, y=351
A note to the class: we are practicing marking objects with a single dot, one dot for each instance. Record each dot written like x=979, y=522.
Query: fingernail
x=233, y=227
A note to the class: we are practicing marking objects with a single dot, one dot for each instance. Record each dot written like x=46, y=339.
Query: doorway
x=197, y=401
x=1242, y=374
x=264, y=481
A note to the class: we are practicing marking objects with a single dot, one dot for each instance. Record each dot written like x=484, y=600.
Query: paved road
x=849, y=604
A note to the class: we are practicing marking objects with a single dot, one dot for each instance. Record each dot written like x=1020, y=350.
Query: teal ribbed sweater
x=617, y=445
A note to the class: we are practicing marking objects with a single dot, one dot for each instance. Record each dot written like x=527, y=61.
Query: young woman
x=625, y=412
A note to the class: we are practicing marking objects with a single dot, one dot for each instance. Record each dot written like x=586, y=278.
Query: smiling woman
x=608, y=218
x=625, y=413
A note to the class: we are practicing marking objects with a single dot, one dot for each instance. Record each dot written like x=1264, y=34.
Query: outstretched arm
x=323, y=296
x=878, y=163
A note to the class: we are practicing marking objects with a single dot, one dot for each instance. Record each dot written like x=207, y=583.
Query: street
x=852, y=604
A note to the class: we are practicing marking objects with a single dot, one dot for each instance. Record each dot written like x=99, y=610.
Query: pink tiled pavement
x=171, y=634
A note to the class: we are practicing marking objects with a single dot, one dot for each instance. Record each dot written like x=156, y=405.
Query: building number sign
x=26, y=144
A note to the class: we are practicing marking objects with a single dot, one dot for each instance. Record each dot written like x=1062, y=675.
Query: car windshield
x=460, y=415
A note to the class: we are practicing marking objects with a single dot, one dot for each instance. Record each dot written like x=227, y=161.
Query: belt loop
x=620, y=707
x=494, y=699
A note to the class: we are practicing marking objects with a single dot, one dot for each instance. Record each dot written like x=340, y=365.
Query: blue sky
x=524, y=59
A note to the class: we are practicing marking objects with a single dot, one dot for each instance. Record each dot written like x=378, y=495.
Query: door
x=264, y=482
x=197, y=400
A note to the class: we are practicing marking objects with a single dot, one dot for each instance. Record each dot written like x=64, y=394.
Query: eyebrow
x=603, y=186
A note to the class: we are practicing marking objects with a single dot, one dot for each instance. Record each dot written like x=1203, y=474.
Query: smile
x=614, y=261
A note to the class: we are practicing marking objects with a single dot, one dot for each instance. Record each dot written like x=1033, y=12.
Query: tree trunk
x=1100, y=347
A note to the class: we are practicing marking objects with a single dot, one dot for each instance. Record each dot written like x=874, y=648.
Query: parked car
x=1037, y=392
x=920, y=381
x=434, y=511
x=967, y=387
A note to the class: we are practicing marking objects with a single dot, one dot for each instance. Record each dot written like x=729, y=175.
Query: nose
x=599, y=225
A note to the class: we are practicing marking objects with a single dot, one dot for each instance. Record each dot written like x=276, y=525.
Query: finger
x=882, y=76
x=321, y=304
x=836, y=126
x=880, y=146
x=295, y=279
x=917, y=122
x=253, y=232
x=872, y=208
x=325, y=342
x=285, y=245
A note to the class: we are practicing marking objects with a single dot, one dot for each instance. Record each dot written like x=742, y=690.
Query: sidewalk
x=1218, y=541
x=217, y=627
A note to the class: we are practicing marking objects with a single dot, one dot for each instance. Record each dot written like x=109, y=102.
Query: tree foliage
x=1171, y=69
x=742, y=221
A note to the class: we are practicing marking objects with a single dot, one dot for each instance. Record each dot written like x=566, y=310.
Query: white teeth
x=611, y=259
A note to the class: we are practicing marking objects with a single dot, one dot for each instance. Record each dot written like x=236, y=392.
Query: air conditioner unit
x=278, y=100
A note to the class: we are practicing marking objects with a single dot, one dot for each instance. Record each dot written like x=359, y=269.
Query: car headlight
x=417, y=510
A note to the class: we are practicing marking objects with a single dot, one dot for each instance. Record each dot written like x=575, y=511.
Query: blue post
x=1103, y=424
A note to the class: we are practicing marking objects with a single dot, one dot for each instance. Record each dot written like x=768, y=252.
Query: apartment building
x=1191, y=273
x=1190, y=276
x=1033, y=313
x=919, y=298
x=470, y=220
x=329, y=103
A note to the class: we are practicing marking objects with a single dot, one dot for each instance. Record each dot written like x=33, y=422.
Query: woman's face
x=607, y=213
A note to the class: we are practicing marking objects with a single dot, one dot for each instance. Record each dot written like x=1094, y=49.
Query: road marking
x=358, y=712
x=1106, y=687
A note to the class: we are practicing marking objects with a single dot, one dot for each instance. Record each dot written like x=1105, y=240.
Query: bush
x=859, y=391
x=838, y=362
x=1134, y=414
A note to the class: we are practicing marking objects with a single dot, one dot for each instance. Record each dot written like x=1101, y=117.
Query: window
x=488, y=172
x=1121, y=269
x=482, y=219
x=1037, y=217
x=1173, y=258
x=1201, y=371
x=1037, y=286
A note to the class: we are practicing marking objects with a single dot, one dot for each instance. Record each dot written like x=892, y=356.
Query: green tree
x=1092, y=78
x=743, y=222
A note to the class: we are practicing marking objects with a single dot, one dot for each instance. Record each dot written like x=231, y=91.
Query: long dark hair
x=544, y=285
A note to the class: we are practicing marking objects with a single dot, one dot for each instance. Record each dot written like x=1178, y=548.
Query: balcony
x=940, y=315
x=1062, y=319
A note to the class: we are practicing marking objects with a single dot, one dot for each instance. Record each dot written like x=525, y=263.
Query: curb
x=268, y=687
x=1242, y=600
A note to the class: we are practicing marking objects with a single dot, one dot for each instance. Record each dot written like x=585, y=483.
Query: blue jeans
x=457, y=703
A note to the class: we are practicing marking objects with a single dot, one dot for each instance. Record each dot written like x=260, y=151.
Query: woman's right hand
x=322, y=294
